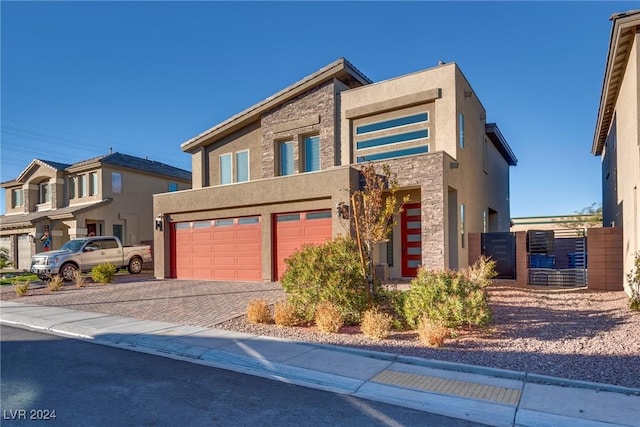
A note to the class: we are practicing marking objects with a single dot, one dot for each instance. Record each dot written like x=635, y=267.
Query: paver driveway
x=190, y=302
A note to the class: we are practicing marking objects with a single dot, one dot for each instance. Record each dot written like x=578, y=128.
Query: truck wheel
x=135, y=266
x=67, y=271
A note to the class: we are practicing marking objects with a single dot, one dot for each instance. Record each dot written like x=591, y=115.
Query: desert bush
x=103, y=273
x=376, y=324
x=432, y=332
x=448, y=297
x=258, y=311
x=327, y=272
x=56, y=283
x=284, y=314
x=78, y=279
x=482, y=271
x=633, y=278
x=328, y=317
x=391, y=302
x=21, y=286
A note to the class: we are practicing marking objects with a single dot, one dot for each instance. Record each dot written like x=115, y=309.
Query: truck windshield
x=73, y=245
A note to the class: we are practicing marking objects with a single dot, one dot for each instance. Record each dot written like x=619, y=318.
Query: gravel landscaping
x=569, y=333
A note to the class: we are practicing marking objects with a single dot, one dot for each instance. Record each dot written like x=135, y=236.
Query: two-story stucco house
x=50, y=203
x=617, y=134
x=269, y=179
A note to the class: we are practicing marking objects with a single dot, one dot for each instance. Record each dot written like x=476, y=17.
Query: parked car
x=84, y=254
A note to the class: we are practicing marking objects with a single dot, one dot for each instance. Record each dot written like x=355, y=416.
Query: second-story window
x=461, y=129
x=286, y=158
x=82, y=185
x=16, y=198
x=242, y=166
x=116, y=182
x=173, y=186
x=226, y=172
x=93, y=183
x=311, y=153
x=45, y=193
x=71, y=186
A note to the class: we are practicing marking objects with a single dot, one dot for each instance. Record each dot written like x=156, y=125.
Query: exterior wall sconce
x=342, y=210
x=158, y=222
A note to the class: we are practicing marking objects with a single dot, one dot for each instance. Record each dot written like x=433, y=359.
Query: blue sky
x=143, y=77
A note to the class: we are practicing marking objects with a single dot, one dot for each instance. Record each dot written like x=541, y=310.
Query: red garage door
x=292, y=230
x=221, y=249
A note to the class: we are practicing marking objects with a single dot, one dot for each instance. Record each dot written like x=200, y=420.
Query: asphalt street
x=79, y=383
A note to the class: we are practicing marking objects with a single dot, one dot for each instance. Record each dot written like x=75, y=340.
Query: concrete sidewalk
x=485, y=395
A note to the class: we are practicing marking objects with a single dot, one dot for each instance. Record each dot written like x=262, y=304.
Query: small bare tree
x=374, y=209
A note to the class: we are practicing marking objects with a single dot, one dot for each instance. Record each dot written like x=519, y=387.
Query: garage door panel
x=292, y=235
x=224, y=249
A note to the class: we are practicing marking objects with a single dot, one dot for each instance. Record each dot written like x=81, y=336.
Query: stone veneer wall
x=427, y=173
x=319, y=101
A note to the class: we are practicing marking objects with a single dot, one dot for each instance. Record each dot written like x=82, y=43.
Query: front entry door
x=411, y=233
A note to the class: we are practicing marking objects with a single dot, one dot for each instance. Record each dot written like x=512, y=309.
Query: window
x=461, y=129
x=225, y=168
x=116, y=182
x=71, y=185
x=311, y=153
x=286, y=158
x=485, y=221
x=394, y=139
x=242, y=166
x=393, y=123
x=393, y=154
x=45, y=193
x=173, y=186
x=93, y=183
x=82, y=186
x=16, y=198
x=462, y=224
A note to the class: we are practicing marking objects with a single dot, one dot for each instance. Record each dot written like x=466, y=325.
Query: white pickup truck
x=84, y=254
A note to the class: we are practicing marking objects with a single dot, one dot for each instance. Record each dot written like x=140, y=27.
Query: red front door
x=411, y=234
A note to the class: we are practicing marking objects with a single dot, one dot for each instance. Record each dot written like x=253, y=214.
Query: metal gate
x=557, y=257
x=501, y=247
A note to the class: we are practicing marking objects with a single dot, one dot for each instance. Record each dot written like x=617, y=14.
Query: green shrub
x=56, y=283
x=328, y=272
x=376, y=324
x=328, y=317
x=21, y=286
x=391, y=302
x=258, y=311
x=103, y=273
x=447, y=297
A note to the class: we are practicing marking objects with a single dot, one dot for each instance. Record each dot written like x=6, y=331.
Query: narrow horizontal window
x=392, y=154
x=183, y=225
x=249, y=220
x=223, y=223
x=393, y=123
x=393, y=139
x=288, y=217
x=319, y=215
x=202, y=224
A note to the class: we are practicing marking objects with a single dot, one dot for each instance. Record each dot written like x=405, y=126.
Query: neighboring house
x=50, y=203
x=617, y=134
x=556, y=222
x=270, y=179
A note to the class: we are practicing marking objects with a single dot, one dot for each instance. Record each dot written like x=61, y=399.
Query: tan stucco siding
x=246, y=139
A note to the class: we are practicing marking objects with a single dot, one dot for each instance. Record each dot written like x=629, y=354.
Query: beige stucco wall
x=265, y=197
x=627, y=114
x=246, y=139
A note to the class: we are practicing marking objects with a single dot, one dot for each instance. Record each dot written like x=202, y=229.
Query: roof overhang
x=494, y=134
x=625, y=26
x=341, y=70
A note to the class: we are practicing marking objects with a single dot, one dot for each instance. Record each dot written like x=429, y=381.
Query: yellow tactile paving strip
x=503, y=395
